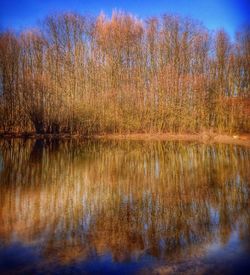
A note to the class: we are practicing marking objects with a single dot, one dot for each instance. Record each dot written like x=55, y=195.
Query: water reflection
x=148, y=206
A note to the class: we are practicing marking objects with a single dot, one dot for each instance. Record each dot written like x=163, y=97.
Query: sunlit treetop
x=227, y=14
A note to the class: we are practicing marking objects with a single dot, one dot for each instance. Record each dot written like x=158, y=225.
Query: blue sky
x=227, y=14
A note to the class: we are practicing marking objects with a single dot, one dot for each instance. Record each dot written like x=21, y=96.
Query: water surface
x=123, y=207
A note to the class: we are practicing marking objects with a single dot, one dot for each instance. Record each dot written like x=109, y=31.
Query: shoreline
x=205, y=137
x=243, y=139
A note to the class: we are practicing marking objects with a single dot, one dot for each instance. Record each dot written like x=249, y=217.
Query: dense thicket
x=119, y=74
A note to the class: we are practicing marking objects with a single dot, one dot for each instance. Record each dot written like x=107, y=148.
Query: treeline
x=77, y=74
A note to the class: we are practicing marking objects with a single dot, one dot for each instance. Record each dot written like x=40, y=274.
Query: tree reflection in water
x=78, y=200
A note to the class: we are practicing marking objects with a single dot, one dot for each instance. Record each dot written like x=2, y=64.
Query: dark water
x=81, y=207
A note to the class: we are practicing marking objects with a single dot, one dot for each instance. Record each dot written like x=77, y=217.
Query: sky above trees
x=215, y=14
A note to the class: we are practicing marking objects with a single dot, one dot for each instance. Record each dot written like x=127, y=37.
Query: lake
x=123, y=207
